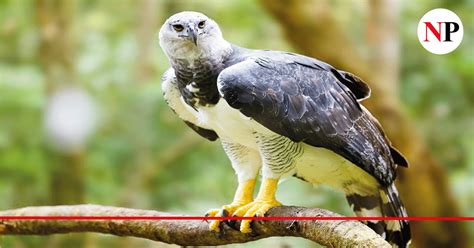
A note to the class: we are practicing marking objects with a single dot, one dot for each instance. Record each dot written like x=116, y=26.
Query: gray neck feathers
x=197, y=72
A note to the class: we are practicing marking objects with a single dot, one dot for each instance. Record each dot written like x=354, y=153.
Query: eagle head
x=190, y=34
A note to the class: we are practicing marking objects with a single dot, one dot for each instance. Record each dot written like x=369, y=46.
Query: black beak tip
x=192, y=33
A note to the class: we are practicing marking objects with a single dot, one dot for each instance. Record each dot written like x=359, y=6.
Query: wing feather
x=309, y=102
x=172, y=97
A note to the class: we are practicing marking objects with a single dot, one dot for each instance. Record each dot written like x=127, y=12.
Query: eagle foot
x=264, y=201
x=226, y=210
x=242, y=197
x=256, y=208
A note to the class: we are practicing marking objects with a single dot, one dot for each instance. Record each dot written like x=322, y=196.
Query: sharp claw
x=260, y=215
x=230, y=223
x=233, y=224
x=207, y=215
x=224, y=213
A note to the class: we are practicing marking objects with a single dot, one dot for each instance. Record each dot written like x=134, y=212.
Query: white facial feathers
x=190, y=35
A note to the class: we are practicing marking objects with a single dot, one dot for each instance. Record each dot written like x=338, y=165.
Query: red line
x=424, y=218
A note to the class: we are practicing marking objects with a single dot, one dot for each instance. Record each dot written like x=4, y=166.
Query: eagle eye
x=201, y=24
x=178, y=27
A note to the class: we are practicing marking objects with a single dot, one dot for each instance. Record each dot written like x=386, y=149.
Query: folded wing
x=310, y=102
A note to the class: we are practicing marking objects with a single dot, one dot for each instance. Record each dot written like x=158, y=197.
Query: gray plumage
x=312, y=104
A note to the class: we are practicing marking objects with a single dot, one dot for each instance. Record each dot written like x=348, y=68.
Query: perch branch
x=191, y=233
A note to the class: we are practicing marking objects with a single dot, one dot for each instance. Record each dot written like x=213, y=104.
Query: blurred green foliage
x=136, y=157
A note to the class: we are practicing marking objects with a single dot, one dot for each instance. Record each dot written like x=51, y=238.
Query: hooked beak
x=192, y=32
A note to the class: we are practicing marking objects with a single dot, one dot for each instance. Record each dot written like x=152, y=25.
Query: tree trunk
x=56, y=56
x=424, y=185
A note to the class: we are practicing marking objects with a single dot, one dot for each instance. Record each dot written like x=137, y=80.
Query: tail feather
x=385, y=203
x=398, y=232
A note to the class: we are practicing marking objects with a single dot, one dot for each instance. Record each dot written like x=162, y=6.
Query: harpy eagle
x=281, y=114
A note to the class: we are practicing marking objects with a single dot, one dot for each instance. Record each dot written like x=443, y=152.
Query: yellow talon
x=264, y=201
x=243, y=196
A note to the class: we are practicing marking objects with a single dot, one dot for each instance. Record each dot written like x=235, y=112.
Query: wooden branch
x=191, y=233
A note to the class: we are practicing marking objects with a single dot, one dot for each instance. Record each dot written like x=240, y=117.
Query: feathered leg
x=278, y=155
x=246, y=163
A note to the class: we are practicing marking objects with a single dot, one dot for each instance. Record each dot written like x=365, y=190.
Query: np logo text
x=440, y=31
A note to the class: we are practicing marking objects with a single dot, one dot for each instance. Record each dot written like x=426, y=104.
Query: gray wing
x=206, y=133
x=309, y=101
x=172, y=97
